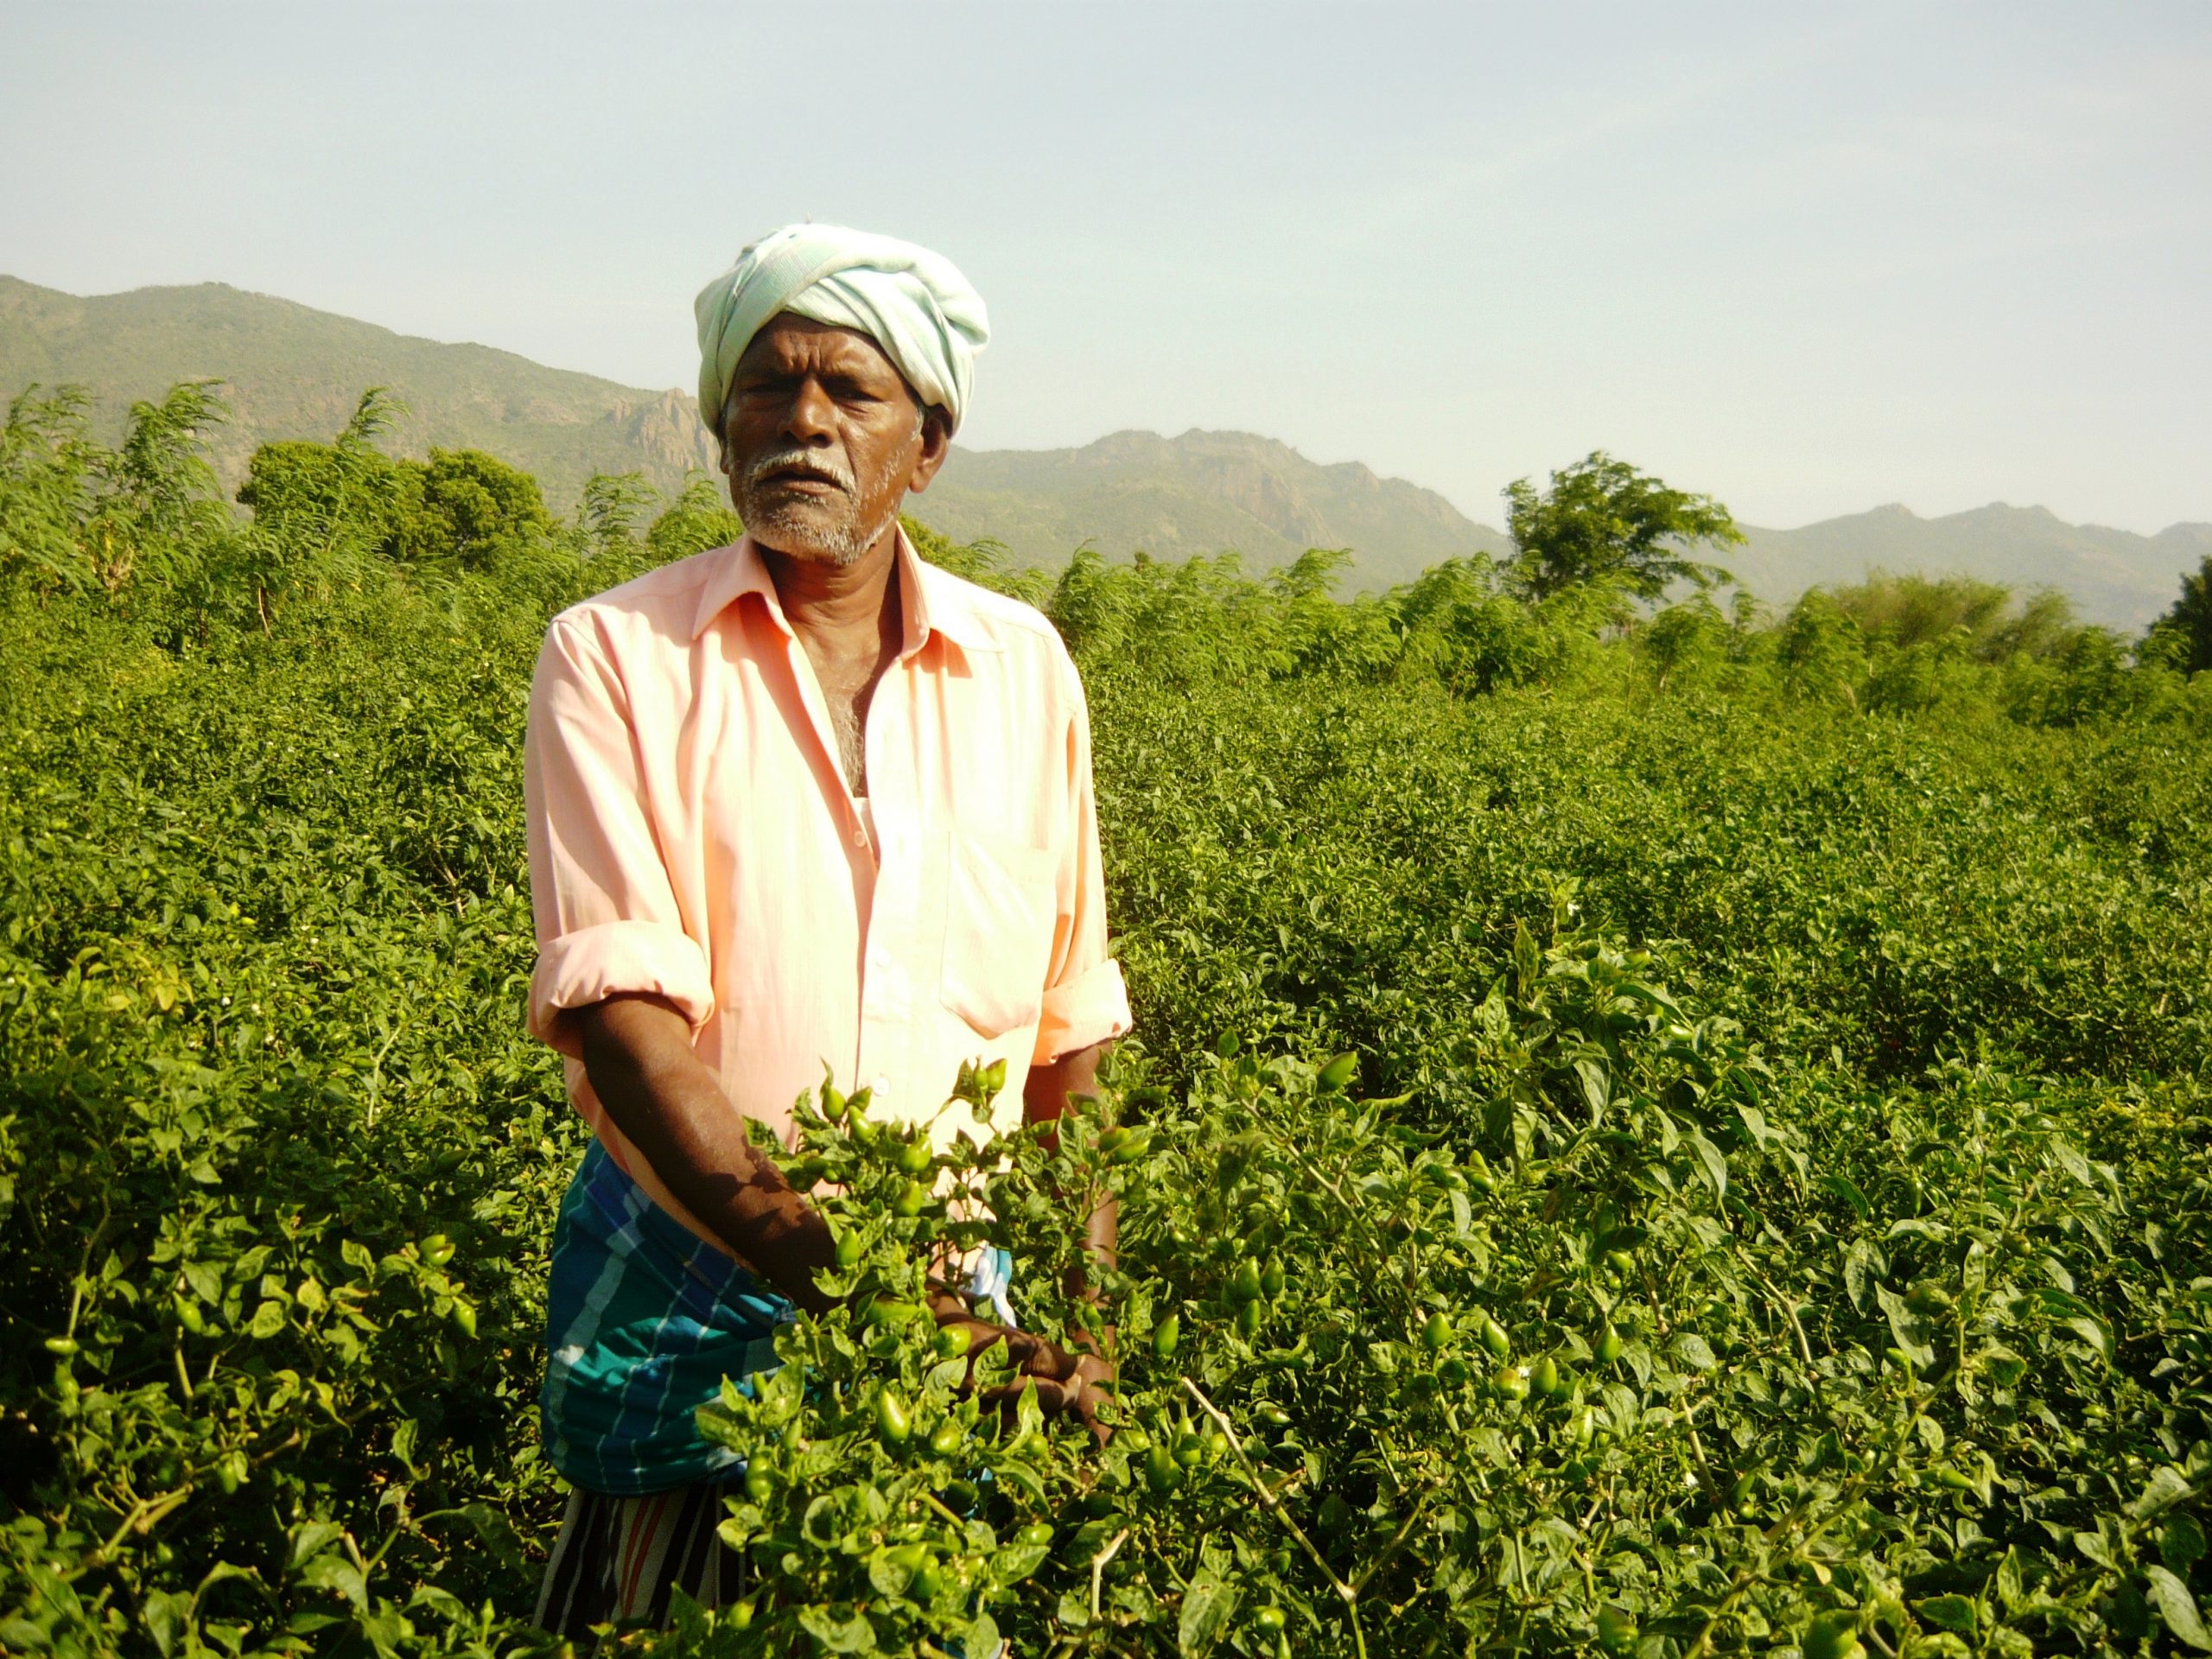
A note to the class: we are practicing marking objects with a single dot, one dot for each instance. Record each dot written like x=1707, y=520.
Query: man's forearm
x=1044, y=1098
x=637, y=1051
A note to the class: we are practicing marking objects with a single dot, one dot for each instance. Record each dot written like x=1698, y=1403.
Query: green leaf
x=1862, y=1272
x=1846, y=1189
x=2182, y=1542
x=1596, y=1088
x=2179, y=1608
x=2095, y=1331
x=2071, y=1161
x=165, y=1612
x=1208, y=1606
x=1715, y=1166
x=1913, y=1333
x=334, y=1572
x=851, y=1634
x=886, y=1576
x=313, y=1537
x=1694, y=1352
x=1951, y=1612
x=1014, y=1563
x=2105, y=1546
x=2168, y=1487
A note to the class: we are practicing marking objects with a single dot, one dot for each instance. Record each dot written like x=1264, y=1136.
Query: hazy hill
x=296, y=372
x=2113, y=576
x=1199, y=493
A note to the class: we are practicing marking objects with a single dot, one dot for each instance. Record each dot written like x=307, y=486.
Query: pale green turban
x=912, y=302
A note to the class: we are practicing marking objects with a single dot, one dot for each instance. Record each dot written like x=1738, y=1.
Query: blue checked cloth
x=643, y=1321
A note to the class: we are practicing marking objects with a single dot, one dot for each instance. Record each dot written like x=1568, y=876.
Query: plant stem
x=1346, y=1592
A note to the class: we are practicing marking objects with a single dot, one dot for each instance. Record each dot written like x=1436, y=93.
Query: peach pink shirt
x=691, y=833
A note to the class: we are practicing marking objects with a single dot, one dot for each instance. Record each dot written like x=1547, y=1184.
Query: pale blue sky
x=1810, y=258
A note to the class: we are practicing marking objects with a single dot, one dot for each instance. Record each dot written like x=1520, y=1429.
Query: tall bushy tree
x=474, y=507
x=160, y=507
x=1985, y=620
x=2183, y=636
x=346, y=496
x=48, y=464
x=697, y=519
x=609, y=511
x=1603, y=523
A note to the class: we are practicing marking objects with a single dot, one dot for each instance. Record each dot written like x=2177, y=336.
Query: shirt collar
x=933, y=600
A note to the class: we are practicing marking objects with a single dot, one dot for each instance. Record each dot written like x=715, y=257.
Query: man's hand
x=1064, y=1383
x=638, y=1053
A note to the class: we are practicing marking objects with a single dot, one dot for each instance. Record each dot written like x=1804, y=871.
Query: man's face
x=822, y=439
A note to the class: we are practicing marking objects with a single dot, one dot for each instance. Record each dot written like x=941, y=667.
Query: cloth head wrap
x=913, y=304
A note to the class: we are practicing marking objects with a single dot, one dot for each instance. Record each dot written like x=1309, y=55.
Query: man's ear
x=936, y=444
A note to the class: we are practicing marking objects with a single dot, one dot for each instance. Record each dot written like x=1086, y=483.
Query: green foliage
x=1980, y=619
x=609, y=509
x=474, y=507
x=346, y=497
x=697, y=519
x=1670, y=1137
x=1602, y=521
x=77, y=516
x=2183, y=636
x=47, y=469
x=1655, y=1333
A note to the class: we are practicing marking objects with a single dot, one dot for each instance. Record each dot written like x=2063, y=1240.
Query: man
x=800, y=801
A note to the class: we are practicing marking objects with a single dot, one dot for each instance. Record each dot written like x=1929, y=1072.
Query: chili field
x=1664, y=1135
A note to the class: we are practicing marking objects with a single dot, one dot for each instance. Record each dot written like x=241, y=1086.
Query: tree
x=2183, y=636
x=474, y=507
x=697, y=519
x=47, y=462
x=610, y=510
x=1604, y=522
x=343, y=498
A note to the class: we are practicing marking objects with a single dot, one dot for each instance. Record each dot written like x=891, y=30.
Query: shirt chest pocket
x=1002, y=912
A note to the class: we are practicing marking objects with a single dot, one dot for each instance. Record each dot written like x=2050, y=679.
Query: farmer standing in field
x=800, y=801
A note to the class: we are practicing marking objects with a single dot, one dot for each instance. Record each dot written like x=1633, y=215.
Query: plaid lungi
x=617, y=1559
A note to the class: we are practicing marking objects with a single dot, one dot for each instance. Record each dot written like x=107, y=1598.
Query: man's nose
x=812, y=417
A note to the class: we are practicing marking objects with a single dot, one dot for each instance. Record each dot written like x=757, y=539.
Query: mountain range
x=293, y=372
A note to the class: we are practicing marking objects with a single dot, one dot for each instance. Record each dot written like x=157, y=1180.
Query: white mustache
x=813, y=461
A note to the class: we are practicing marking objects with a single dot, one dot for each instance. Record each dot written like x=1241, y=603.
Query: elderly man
x=799, y=801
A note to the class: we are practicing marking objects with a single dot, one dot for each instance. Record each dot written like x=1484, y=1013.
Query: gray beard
x=794, y=528
x=797, y=536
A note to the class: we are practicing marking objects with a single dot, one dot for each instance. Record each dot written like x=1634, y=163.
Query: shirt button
x=879, y=957
x=880, y=1088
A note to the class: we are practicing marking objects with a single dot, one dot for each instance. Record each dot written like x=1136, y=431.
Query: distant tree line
x=1605, y=577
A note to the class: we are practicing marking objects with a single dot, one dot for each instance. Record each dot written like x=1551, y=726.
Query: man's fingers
x=1045, y=1359
x=1089, y=1398
x=1054, y=1396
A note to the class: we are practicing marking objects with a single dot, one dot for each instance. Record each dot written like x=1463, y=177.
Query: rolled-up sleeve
x=1085, y=1000
x=606, y=916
